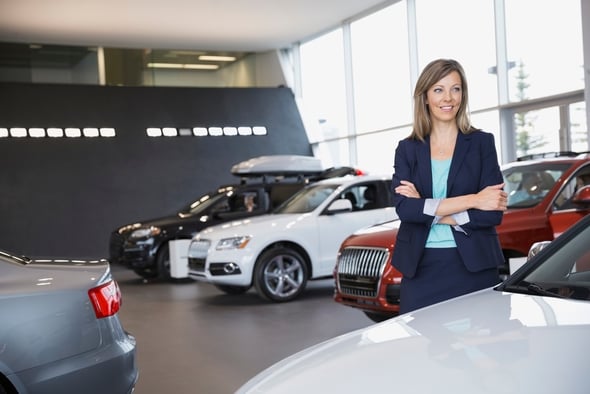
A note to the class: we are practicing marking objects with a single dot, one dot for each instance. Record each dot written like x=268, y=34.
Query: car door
x=334, y=228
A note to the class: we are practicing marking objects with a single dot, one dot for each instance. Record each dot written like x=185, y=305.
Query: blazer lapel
x=461, y=147
x=424, y=168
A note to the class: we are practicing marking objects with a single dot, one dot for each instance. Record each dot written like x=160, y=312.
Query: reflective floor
x=192, y=338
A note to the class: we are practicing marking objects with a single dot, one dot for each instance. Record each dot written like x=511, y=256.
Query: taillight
x=106, y=299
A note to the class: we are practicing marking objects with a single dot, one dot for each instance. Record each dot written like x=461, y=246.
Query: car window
x=565, y=197
x=527, y=185
x=247, y=201
x=306, y=200
x=205, y=202
x=362, y=197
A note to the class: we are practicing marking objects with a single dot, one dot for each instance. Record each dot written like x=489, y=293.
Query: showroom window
x=323, y=86
x=578, y=127
x=324, y=97
x=462, y=30
x=380, y=66
x=544, y=43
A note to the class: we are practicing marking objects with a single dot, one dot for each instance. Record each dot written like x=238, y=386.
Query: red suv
x=547, y=193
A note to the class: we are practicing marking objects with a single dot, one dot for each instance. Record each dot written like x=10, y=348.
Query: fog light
x=231, y=268
x=220, y=269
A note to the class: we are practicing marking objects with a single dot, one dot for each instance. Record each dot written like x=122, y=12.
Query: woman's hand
x=491, y=198
x=407, y=189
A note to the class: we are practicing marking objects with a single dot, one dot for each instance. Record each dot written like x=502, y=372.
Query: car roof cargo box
x=278, y=165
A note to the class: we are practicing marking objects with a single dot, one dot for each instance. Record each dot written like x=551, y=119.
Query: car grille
x=359, y=271
x=196, y=264
x=199, y=248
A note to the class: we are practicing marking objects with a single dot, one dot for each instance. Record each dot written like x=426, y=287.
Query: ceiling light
x=214, y=58
x=184, y=66
x=164, y=65
x=201, y=66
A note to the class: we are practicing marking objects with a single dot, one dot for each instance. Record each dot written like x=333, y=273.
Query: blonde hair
x=432, y=73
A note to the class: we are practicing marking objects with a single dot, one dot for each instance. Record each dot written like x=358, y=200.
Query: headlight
x=233, y=243
x=146, y=232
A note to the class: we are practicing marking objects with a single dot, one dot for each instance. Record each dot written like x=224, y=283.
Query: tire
x=5, y=386
x=163, y=262
x=377, y=317
x=233, y=290
x=280, y=274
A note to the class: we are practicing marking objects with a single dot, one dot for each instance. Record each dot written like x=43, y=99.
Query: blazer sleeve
x=490, y=174
x=410, y=210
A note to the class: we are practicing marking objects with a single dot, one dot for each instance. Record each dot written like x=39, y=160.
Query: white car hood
x=486, y=342
x=252, y=225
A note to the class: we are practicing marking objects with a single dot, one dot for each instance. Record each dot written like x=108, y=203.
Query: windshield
x=205, y=202
x=563, y=274
x=526, y=185
x=307, y=199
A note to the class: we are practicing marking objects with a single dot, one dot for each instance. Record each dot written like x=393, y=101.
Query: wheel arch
x=6, y=386
x=287, y=244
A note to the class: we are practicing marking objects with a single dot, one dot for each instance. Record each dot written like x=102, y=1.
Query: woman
x=448, y=195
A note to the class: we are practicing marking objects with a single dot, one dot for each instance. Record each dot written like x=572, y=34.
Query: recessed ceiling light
x=180, y=66
x=214, y=58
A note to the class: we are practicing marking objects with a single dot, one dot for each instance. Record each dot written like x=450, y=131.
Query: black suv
x=265, y=183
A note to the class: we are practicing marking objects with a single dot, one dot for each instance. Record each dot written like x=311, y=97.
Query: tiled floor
x=194, y=339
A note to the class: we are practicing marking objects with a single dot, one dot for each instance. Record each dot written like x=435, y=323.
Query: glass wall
x=48, y=64
x=461, y=30
x=41, y=63
x=323, y=84
x=532, y=103
x=381, y=65
x=544, y=45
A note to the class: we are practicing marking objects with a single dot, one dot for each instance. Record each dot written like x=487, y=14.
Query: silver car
x=59, y=329
x=531, y=334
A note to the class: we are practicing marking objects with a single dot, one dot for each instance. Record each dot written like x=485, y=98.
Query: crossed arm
x=490, y=198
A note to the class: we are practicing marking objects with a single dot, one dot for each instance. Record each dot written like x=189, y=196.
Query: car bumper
x=386, y=303
x=110, y=368
x=133, y=255
x=227, y=268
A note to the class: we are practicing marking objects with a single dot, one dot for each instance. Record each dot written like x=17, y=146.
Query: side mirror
x=536, y=248
x=340, y=205
x=582, y=196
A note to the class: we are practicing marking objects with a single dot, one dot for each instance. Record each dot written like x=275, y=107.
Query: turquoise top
x=441, y=235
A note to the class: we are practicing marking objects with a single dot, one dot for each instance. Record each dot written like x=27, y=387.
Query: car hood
x=164, y=221
x=377, y=235
x=267, y=222
x=486, y=342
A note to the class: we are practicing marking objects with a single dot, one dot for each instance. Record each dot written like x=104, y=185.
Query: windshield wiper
x=532, y=288
x=535, y=288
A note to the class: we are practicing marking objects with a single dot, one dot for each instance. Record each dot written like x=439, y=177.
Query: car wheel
x=5, y=389
x=163, y=262
x=280, y=274
x=377, y=317
x=233, y=290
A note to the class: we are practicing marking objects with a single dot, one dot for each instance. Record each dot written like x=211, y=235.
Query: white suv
x=279, y=252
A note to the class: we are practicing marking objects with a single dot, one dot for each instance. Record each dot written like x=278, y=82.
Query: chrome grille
x=359, y=270
x=198, y=249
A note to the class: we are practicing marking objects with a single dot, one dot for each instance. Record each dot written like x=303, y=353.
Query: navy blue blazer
x=474, y=166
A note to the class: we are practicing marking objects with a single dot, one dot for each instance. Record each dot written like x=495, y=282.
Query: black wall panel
x=63, y=196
